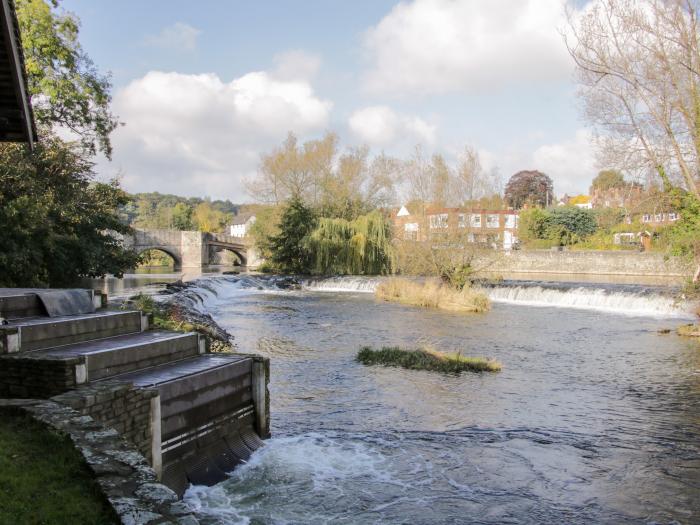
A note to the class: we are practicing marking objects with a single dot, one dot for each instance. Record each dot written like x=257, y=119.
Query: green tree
x=208, y=219
x=182, y=216
x=579, y=221
x=289, y=247
x=533, y=224
x=65, y=86
x=608, y=179
x=265, y=228
x=360, y=246
x=57, y=222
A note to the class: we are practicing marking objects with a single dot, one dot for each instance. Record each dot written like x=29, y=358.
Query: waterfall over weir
x=621, y=299
x=624, y=299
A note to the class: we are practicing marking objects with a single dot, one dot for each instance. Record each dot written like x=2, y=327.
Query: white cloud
x=199, y=135
x=296, y=65
x=438, y=46
x=177, y=36
x=382, y=126
x=570, y=162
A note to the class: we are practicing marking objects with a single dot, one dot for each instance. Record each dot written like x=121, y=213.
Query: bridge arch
x=177, y=263
x=240, y=255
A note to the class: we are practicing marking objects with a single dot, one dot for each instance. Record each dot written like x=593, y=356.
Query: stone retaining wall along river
x=587, y=262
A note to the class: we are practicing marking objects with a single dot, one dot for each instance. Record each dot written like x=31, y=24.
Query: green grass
x=43, y=478
x=169, y=319
x=426, y=359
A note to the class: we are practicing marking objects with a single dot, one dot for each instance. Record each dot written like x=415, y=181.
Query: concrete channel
x=194, y=415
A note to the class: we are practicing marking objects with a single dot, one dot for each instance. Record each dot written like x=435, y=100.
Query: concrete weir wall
x=587, y=262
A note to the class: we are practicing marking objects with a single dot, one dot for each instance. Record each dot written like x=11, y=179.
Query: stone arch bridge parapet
x=191, y=249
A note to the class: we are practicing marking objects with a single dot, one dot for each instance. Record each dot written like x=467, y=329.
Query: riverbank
x=44, y=478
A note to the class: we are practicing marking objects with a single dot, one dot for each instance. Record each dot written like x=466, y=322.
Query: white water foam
x=343, y=284
x=626, y=300
x=605, y=299
x=309, y=463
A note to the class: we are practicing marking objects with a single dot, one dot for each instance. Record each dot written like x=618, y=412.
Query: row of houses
x=493, y=228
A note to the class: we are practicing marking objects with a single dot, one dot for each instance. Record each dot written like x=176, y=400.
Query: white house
x=240, y=226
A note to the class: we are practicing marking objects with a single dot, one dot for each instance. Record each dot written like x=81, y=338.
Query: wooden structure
x=16, y=118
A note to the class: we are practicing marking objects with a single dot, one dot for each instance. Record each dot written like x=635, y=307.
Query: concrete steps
x=34, y=333
x=193, y=414
x=104, y=358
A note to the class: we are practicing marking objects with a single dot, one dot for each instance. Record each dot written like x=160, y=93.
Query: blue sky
x=205, y=87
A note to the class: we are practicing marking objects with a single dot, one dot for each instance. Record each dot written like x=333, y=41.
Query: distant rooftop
x=242, y=218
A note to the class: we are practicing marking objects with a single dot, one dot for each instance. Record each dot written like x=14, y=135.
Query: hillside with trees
x=165, y=211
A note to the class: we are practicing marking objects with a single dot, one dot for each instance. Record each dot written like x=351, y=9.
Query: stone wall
x=585, y=262
x=119, y=406
x=24, y=376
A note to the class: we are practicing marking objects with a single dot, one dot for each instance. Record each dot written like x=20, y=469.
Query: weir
x=194, y=415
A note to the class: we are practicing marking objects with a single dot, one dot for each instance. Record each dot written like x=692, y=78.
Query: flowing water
x=595, y=417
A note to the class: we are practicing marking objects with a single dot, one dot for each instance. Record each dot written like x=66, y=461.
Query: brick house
x=493, y=228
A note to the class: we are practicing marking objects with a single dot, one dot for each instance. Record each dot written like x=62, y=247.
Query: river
x=595, y=417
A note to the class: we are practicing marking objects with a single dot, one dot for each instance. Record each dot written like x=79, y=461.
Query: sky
x=204, y=88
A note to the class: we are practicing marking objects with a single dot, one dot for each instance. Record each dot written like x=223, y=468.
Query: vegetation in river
x=433, y=294
x=44, y=479
x=689, y=330
x=426, y=358
x=167, y=316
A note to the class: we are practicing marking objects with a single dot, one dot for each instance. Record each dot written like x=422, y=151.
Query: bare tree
x=638, y=65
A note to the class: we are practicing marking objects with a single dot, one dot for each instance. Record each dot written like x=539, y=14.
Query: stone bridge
x=191, y=249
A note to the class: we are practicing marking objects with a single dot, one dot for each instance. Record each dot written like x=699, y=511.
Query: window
x=492, y=221
x=438, y=221
x=646, y=218
x=410, y=231
x=461, y=221
x=659, y=217
x=673, y=216
x=511, y=221
x=470, y=237
x=476, y=220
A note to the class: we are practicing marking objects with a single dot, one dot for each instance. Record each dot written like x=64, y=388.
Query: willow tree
x=358, y=247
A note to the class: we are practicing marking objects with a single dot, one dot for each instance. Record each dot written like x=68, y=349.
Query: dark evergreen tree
x=290, y=252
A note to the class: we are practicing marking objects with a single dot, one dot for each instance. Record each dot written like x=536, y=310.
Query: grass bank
x=426, y=359
x=432, y=294
x=43, y=478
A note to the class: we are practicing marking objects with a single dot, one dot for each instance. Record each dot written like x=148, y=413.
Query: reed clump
x=426, y=358
x=689, y=330
x=433, y=294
